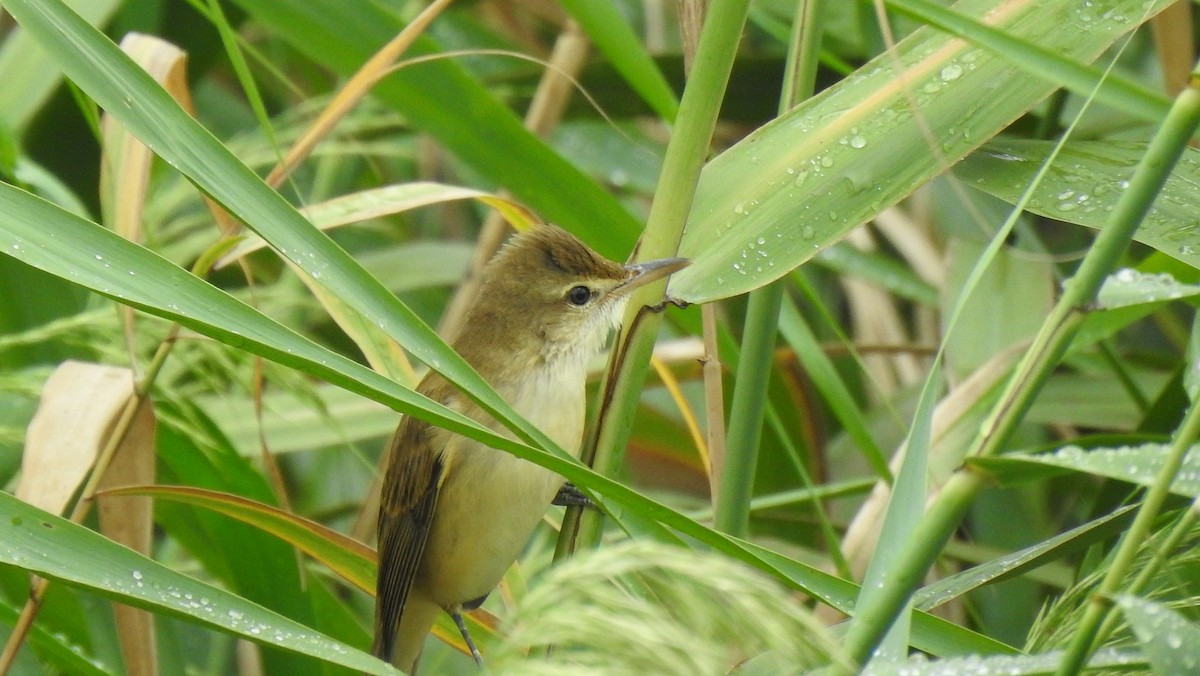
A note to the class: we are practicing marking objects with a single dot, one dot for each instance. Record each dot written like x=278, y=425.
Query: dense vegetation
x=937, y=372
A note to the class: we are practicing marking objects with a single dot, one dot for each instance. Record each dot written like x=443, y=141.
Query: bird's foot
x=570, y=496
x=462, y=629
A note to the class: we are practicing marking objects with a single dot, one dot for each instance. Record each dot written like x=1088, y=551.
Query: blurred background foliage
x=857, y=328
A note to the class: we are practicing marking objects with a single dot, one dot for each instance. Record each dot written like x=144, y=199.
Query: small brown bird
x=454, y=513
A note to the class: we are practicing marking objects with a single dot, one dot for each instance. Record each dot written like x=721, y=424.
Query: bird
x=454, y=513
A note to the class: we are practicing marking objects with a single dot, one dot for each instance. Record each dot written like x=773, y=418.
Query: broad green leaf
x=1128, y=287
x=1135, y=464
x=1015, y=564
x=1170, y=641
x=57, y=549
x=32, y=230
x=1085, y=183
x=798, y=184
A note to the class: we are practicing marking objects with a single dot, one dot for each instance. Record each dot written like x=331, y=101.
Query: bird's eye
x=579, y=295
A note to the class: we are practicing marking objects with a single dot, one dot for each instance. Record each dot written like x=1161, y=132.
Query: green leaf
x=1171, y=643
x=1085, y=183
x=1015, y=564
x=1005, y=665
x=798, y=184
x=1135, y=464
x=57, y=549
x=349, y=558
x=1128, y=287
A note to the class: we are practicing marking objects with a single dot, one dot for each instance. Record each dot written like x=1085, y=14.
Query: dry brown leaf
x=79, y=409
x=79, y=404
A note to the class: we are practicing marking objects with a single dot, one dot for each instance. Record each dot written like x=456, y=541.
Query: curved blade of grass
x=57, y=549
x=32, y=230
x=386, y=201
x=1011, y=565
x=1083, y=186
x=46, y=237
x=800, y=183
x=349, y=558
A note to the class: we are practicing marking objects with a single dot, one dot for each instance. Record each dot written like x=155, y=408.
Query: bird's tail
x=415, y=623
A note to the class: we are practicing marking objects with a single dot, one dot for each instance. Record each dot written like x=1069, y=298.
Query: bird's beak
x=649, y=271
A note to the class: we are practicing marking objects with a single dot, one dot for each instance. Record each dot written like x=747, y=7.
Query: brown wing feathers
x=411, y=491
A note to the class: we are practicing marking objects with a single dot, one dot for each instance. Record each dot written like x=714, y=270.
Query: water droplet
x=951, y=72
x=857, y=141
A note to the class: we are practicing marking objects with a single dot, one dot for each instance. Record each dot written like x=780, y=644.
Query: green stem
x=746, y=410
x=1099, y=607
x=685, y=155
x=873, y=620
x=762, y=317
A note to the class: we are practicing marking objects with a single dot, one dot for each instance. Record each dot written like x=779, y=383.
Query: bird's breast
x=491, y=501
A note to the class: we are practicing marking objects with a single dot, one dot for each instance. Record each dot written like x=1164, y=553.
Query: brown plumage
x=454, y=513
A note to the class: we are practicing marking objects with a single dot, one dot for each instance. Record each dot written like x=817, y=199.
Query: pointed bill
x=649, y=271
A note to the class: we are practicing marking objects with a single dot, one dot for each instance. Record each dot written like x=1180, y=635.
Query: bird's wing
x=410, y=492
